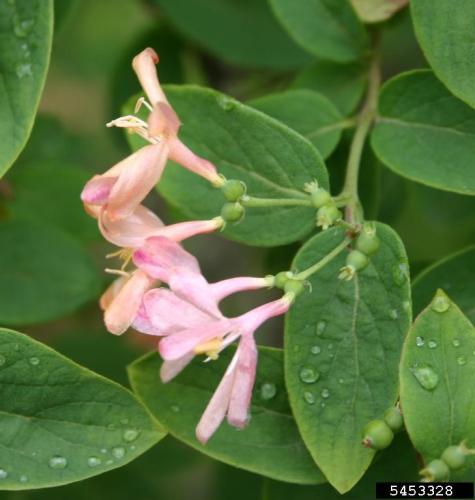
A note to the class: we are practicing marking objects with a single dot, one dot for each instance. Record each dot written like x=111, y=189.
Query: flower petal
x=144, y=66
x=170, y=369
x=112, y=291
x=163, y=121
x=97, y=190
x=222, y=289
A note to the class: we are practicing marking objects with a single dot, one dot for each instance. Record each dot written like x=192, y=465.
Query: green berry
x=437, y=470
x=232, y=212
x=357, y=260
x=294, y=286
x=377, y=435
x=281, y=279
x=328, y=215
x=367, y=241
x=320, y=197
x=233, y=190
x=454, y=457
x=393, y=417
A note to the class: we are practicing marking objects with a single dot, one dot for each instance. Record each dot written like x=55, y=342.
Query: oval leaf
x=444, y=33
x=326, y=28
x=217, y=25
x=348, y=336
x=437, y=378
x=273, y=161
x=270, y=445
x=46, y=274
x=26, y=28
x=309, y=113
x=426, y=134
x=61, y=422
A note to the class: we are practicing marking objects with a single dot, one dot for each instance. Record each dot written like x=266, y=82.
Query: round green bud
x=328, y=215
x=320, y=197
x=393, y=417
x=233, y=190
x=357, y=260
x=377, y=435
x=454, y=457
x=232, y=212
x=294, y=286
x=437, y=470
x=281, y=279
x=367, y=241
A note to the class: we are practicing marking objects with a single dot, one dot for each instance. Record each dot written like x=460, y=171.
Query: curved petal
x=222, y=289
x=144, y=66
x=143, y=324
x=112, y=291
x=170, y=369
x=253, y=319
x=97, y=190
x=163, y=120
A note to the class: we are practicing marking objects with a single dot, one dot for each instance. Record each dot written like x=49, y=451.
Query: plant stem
x=250, y=201
x=365, y=120
x=324, y=261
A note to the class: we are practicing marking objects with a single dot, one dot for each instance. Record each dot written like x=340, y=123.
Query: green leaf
x=273, y=161
x=60, y=422
x=217, y=25
x=445, y=35
x=437, y=377
x=270, y=445
x=46, y=274
x=343, y=84
x=426, y=134
x=309, y=113
x=348, y=336
x=328, y=29
x=456, y=274
x=375, y=11
x=396, y=464
x=26, y=28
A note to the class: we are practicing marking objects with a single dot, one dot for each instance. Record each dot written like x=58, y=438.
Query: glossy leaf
x=349, y=336
x=244, y=32
x=46, y=274
x=426, y=134
x=456, y=275
x=270, y=445
x=26, y=28
x=375, y=11
x=444, y=33
x=328, y=29
x=60, y=422
x=273, y=161
x=309, y=113
x=343, y=84
x=437, y=378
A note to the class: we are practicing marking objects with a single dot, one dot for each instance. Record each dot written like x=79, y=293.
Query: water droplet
x=322, y=404
x=3, y=359
x=315, y=349
x=309, y=397
x=268, y=390
x=118, y=452
x=419, y=342
x=330, y=346
x=22, y=28
x=321, y=327
x=441, y=302
x=132, y=447
x=124, y=421
x=34, y=361
x=94, y=461
x=23, y=70
x=325, y=393
x=341, y=381
x=226, y=103
x=462, y=360
x=104, y=451
x=109, y=462
x=393, y=314
x=23, y=478
x=400, y=274
x=426, y=376
x=58, y=462
x=456, y=343
x=130, y=435
x=308, y=374
x=406, y=305
x=175, y=408
x=3, y=474
x=432, y=344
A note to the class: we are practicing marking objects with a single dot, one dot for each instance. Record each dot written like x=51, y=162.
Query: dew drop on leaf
x=393, y=314
x=456, y=343
x=174, y=409
x=419, y=342
x=321, y=327
x=462, y=360
x=3, y=474
x=325, y=393
x=432, y=344
x=268, y=391
x=23, y=69
x=400, y=274
x=130, y=435
x=315, y=349
x=309, y=397
x=58, y=462
x=118, y=452
x=109, y=462
x=308, y=374
x=94, y=461
x=34, y=361
x=226, y=103
x=23, y=478
x=426, y=376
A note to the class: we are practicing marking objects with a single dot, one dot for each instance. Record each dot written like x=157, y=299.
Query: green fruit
x=281, y=279
x=232, y=212
x=437, y=470
x=454, y=457
x=367, y=241
x=233, y=190
x=357, y=260
x=393, y=417
x=328, y=215
x=377, y=435
x=294, y=286
x=320, y=197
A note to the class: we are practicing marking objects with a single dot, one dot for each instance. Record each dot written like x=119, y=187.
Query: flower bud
x=367, y=241
x=377, y=435
x=356, y=261
x=233, y=190
x=393, y=417
x=296, y=287
x=437, y=470
x=455, y=456
x=328, y=215
x=232, y=212
x=320, y=197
